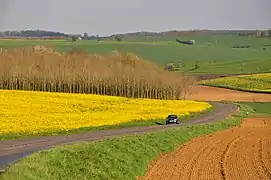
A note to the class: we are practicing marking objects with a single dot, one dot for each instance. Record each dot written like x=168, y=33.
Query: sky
x=106, y=17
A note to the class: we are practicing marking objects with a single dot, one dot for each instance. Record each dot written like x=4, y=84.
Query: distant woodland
x=173, y=33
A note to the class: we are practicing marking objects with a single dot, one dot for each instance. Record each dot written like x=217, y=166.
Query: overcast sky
x=105, y=17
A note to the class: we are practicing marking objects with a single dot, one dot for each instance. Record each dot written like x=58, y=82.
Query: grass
x=220, y=58
x=251, y=83
x=260, y=107
x=118, y=158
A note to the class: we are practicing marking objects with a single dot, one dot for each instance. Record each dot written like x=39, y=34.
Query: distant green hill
x=212, y=53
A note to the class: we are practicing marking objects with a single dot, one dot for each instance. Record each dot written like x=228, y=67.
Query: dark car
x=172, y=119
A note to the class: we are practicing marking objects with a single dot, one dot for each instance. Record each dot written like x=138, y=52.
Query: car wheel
x=177, y=122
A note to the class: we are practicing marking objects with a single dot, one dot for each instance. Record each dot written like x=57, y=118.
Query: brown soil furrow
x=211, y=163
x=191, y=161
x=263, y=156
x=225, y=153
x=190, y=168
x=196, y=171
x=249, y=156
x=267, y=154
x=237, y=153
x=162, y=168
x=239, y=164
x=254, y=157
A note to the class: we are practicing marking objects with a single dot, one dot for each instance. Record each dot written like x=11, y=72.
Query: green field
x=260, y=107
x=213, y=54
x=119, y=158
x=250, y=83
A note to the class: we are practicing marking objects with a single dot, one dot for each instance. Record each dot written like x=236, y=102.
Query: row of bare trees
x=116, y=74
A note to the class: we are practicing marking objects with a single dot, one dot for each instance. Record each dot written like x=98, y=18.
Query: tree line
x=32, y=33
x=115, y=74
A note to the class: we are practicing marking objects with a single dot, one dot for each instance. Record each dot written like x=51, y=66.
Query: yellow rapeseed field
x=37, y=112
x=255, y=82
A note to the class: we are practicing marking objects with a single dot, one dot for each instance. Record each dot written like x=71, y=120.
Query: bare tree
x=77, y=72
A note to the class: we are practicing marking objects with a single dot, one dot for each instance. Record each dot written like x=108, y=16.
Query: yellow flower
x=36, y=112
x=255, y=82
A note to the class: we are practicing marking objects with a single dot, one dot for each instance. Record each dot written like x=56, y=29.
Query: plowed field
x=205, y=93
x=238, y=153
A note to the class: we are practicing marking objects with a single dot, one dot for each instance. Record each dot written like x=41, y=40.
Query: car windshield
x=172, y=116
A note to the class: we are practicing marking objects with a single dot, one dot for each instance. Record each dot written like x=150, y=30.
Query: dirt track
x=237, y=153
x=205, y=93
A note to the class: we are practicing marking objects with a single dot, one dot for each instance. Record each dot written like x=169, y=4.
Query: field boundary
x=13, y=150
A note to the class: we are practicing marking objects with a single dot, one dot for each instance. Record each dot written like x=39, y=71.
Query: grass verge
x=117, y=158
x=135, y=123
x=261, y=108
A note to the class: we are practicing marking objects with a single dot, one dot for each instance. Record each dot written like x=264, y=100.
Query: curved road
x=13, y=150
